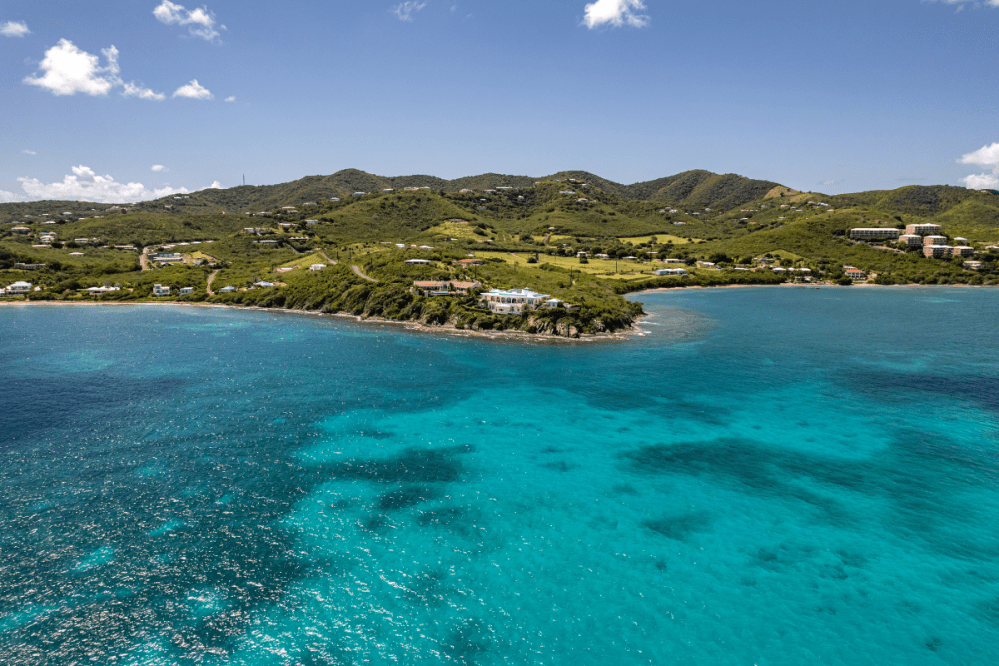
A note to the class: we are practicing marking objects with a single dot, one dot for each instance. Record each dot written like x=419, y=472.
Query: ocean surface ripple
x=768, y=476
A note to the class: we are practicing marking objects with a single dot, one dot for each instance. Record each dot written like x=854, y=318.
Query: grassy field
x=660, y=238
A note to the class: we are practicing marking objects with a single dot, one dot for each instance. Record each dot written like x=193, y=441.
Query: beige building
x=936, y=251
x=923, y=229
x=874, y=233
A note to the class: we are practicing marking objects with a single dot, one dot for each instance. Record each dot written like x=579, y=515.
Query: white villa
x=160, y=290
x=18, y=288
x=671, y=271
x=317, y=267
x=184, y=291
x=513, y=301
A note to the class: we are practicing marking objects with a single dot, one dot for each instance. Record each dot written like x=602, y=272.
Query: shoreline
x=414, y=326
x=633, y=330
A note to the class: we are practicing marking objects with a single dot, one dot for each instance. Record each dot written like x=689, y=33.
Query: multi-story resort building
x=936, y=251
x=874, y=233
x=911, y=240
x=923, y=229
x=934, y=240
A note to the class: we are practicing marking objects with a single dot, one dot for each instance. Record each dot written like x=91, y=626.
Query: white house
x=18, y=288
x=512, y=301
x=317, y=267
x=227, y=290
x=671, y=271
x=264, y=284
x=417, y=262
x=94, y=291
x=160, y=290
x=184, y=291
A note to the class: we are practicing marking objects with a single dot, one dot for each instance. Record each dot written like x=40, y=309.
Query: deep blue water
x=770, y=477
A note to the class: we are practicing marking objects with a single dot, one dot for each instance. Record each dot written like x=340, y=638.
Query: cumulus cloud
x=973, y=3
x=231, y=99
x=406, y=10
x=194, y=90
x=132, y=90
x=159, y=167
x=982, y=181
x=616, y=13
x=987, y=156
x=14, y=29
x=68, y=70
x=86, y=185
x=10, y=197
x=200, y=22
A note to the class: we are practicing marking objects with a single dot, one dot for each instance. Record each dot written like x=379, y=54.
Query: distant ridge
x=691, y=188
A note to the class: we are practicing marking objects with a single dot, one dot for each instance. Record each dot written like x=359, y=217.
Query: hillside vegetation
x=574, y=236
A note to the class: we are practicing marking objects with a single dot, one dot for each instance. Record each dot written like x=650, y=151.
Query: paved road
x=329, y=262
x=358, y=271
x=211, y=278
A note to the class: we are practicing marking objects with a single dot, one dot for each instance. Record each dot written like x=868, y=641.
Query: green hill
x=529, y=232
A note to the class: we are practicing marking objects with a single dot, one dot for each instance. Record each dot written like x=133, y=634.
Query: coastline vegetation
x=575, y=236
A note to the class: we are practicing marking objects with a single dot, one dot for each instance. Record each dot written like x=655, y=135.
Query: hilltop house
x=444, y=287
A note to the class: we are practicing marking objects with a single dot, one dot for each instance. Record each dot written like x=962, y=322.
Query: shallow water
x=769, y=476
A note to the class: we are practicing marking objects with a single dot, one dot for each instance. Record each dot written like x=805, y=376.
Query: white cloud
x=132, y=90
x=14, y=29
x=987, y=156
x=984, y=156
x=159, y=167
x=86, y=185
x=982, y=181
x=69, y=70
x=406, y=9
x=194, y=90
x=973, y=3
x=28, y=152
x=231, y=99
x=216, y=185
x=616, y=13
x=10, y=197
x=200, y=22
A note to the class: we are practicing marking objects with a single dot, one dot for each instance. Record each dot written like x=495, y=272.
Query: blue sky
x=130, y=99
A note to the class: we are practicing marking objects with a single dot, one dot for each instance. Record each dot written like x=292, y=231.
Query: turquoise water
x=768, y=476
